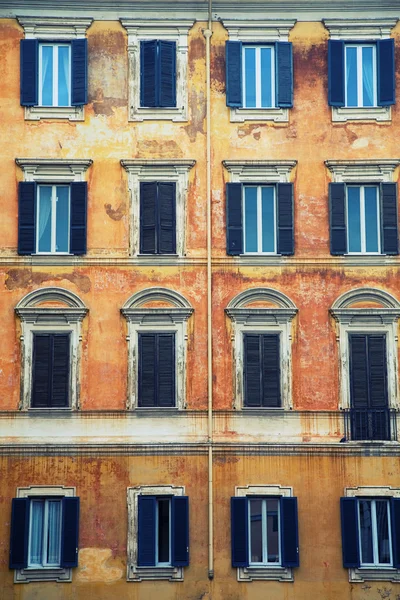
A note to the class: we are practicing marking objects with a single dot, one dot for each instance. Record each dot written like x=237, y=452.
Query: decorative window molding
x=363, y=171
x=158, y=170
x=171, y=318
x=159, y=29
x=249, y=319
x=40, y=311
x=259, y=171
x=134, y=572
x=53, y=170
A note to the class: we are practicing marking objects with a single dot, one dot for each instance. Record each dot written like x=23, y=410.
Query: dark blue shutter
x=289, y=532
x=166, y=73
x=180, y=531
x=359, y=374
x=166, y=218
x=271, y=373
x=378, y=395
x=233, y=51
x=148, y=73
x=29, y=72
x=395, y=522
x=240, y=532
x=336, y=73
x=19, y=533
x=285, y=216
x=147, y=369
x=234, y=219
x=60, y=370
x=42, y=370
x=165, y=369
x=70, y=532
x=386, y=72
x=337, y=218
x=26, y=217
x=284, y=74
x=147, y=531
x=78, y=218
x=390, y=233
x=252, y=370
x=79, y=71
x=148, y=217
x=349, y=520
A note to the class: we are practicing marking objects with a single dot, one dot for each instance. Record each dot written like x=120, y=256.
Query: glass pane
x=351, y=75
x=371, y=219
x=266, y=77
x=44, y=219
x=250, y=218
x=367, y=556
x=250, y=77
x=36, y=532
x=256, y=555
x=268, y=219
x=353, y=217
x=163, y=530
x=63, y=76
x=368, y=76
x=62, y=219
x=382, y=528
x=47, y=76
x=54, y=532
x=273, y=530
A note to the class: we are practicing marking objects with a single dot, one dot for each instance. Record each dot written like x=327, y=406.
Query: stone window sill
x=265, y=573
x=370, y=574
x=70, y=113
x=373, y=113
x=278, y=115
x=45, y=574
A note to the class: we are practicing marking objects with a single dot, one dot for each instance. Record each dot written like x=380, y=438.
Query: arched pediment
x=379, y=306
x=360, y=295
x=270, y=305
x=51, y=304
x=157, y=304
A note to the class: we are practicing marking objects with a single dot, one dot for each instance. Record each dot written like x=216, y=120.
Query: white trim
x=359, y=69
x=55, y=56
x=363, y=224
x=259, y=230
x=363, y=171
x=366, y=113
x=360, y=29
x=259, y=76
x=260, y=171
x=53, y=233
x=53, y=170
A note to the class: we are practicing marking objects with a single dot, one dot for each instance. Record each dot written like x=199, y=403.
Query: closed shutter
x=70, y=532
x=289, y=532
x=336, y=94
x=252, y=370
x=147, y=369
x=29, y=72
x=166, y=369
x=147, y=531
x=180, y=531
x=358, y=371
x=262, y=370
x=60, y=370
x=390, y=234
x=148, y=73
x=78, y=218
x=148, y=217
x=395, y=523
x=167, y=74
x=19, y=533
x=386, y=72
x=349, y=522
x=285, y=219
x=26, y=217
x=271, y=388
x=378, y=396
x=50, y=378
x=239, y=532
x=234, y=219
x=368, y=373
x=337, y=218
x=166, y=218
x=284, y=74
x=79, y=70
x=233, y=52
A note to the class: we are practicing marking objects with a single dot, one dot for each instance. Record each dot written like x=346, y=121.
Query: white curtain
x=45, y=65
x=44, y=214
x=53, y=553
x=36, y=533
x=368, y=85
x=63, y=63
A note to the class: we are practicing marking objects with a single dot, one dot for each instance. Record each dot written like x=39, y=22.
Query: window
x=52, y=218
x=44, y=534
x=258, y=69
x=50, y=377
x=156, y=386
x=158, y=73
x=158, y=534
x=157, y=217
x=360, y=69
x=54, y=75
x=375, y=541
x=259, y=219
x=262, y=386
x=363, y=218
x=264, y=533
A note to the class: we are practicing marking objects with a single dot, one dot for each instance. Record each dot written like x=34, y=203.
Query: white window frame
x=45, y=548
x=359, y=48
x=363, y=250
x=258, y=74
x=54, y=46
x=259, y=222
x=375, y=564
x=45, y=573
x=57, y=31
x=161, y=571
x=264, y=535
x=54, y=200
x=158, y=563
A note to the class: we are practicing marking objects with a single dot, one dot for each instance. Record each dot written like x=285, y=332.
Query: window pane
x=354, y=223
x=273, y=530
x=250, y=216
x=351, y=75
x=63, y=76
x=256, y=555
x=36, y=532
x=367, y=556
x=266, y=77
x=54, y=532
x=62, y=218
x=250, y=77
x=44, y=219
x=268, y=219
x=382, y=527
x=371, y=219
x=163, y=530
x=47, y=76
x=367, y=76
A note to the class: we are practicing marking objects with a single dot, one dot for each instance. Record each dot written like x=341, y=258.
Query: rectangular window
x=259, y=216
x=363, y=219
x=157, y=217
x=163, y=531
x=264, y=531
x=375, y=539
x=45, y=533
x=54, y=75
x=53, y=219
x=156, y=385
x=157, y=74
x=50, y=376
x=258, y=76
x=262, y=387
x=360, y=75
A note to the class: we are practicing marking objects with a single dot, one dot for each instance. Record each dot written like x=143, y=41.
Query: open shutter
x=78, y=218
x=336, y=72
x=240, y=532
x=60, y=371
x=167, y=73
x=390, y=234
x=349, y=519
x=148, y=218
x=234, y=219
x=19, y=533
x=337, y=218
x=271, y=374
x=386, y=72
x=42, y=370
x=285, y=218
x=70, y=532
x=79, y=72
x=148, y=83
x=166, y=369
x=147, y=369
x=26, y=217
x=146, y=531
x=395, y=523
x=289, y=532
x=284, y=74
x=233, y=76
x=252, y=370
x=166, y=218
x=29, y=72
x=180, y=531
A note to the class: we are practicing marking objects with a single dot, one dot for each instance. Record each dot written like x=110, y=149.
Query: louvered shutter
x=285, y=219
x=147, y=531
x=234, y=219
x=26, y=217
x=233, y=76
x=166, y=369
x=378, y=396
x=289, y=532
x=240, y=532
x=60, y=370
x=167, y=74
x=78, y=218
x=19, y=533
x=349, y=522
x=385, y=60
x=395, y=523
x=148, y=217
x=271, y=387
x=336, y=85
x=358, y=371
x=337, y=218
x=79, y=72
x=166, y=218
x=147, y=369
x=180, y=531
x=70, y=532
x=284, y=74
x=390, y=233
x=252, y=370
x=42, y=368
x=148, y=73
x=29, y=60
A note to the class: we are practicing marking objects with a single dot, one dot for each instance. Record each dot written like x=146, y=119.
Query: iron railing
x=370, y=424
